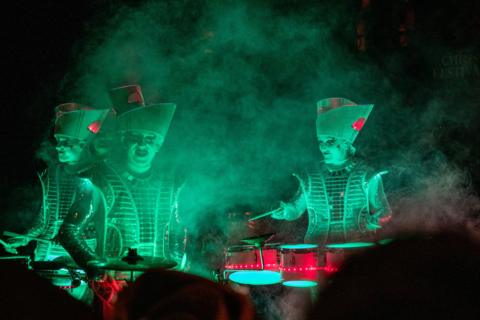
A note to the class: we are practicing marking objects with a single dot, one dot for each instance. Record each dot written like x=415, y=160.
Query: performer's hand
x=385, y=220
x=16, y=242
x=280, y=212
x=373, y=224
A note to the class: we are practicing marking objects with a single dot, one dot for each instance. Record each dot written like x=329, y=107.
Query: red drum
x=243, y=264
x=301, y=265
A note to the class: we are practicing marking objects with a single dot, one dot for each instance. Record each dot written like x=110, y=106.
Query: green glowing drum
x=337, y=253
x=243, y=264
x=301, y=265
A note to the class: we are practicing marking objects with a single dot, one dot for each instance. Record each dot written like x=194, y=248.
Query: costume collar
x=346, y=168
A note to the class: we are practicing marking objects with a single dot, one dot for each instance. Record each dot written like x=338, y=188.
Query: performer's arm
x=380, y=212
x=178, y=231
x=80, y=213
x=291, y=210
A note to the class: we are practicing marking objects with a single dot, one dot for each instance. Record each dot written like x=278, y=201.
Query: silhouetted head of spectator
x=166, y=294
x=26, y=295
x=420, y=277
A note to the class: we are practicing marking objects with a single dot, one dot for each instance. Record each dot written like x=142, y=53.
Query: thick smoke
x=440, y=201
x=246, y=78
x=241, y=76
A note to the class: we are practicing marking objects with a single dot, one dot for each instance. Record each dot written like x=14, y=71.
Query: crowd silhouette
x=416, y=276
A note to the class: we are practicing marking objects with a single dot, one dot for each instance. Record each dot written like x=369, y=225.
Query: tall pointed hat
x=155, y=118
x=133, y=114
x=126, y=98
x=341, y=118
x=76, y=121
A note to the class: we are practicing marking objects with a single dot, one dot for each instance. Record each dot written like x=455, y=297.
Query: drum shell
x=302, y=264
x=244, y=261
x=59, y=278
x=247, y=257
x=335, y=258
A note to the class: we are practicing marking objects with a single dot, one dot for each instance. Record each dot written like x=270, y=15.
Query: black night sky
x=437, y=72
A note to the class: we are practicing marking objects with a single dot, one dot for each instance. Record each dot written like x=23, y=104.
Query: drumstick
x=13, y=234
x=278, y=210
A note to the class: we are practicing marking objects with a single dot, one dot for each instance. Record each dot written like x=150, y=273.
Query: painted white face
x=69, y=149
x=335, y=151
x=141, y=148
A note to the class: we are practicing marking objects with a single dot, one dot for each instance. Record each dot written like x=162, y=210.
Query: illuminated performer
x=343, y=197
x=133, y=201
x=76, y=126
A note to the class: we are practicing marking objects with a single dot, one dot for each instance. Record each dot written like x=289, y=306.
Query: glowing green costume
x=131, y=211
x=342, y=205
x=345, y=203
x=60, y=181
x=58, y=188
x=141, y=213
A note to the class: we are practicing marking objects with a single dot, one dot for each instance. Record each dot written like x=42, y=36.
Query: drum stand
x=258, y=242
x=132, y=258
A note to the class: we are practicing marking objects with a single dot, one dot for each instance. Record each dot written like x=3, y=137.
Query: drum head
x=350, y=245
x=299, y=246
x=256, y=278
x=300, y=283
x=385, y=241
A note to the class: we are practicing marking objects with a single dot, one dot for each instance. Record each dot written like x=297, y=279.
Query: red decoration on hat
x=94, y=127
x=135, y=96
x=358, y=124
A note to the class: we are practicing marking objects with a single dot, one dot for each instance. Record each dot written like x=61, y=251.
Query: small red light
x=385, y=220
x=135, y=97
x=358, y=124
x=94, y=127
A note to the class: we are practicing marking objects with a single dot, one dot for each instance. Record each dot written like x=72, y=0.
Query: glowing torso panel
x=140, y=213
x=343, y=205
x=336, y=201
x=58, y=194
